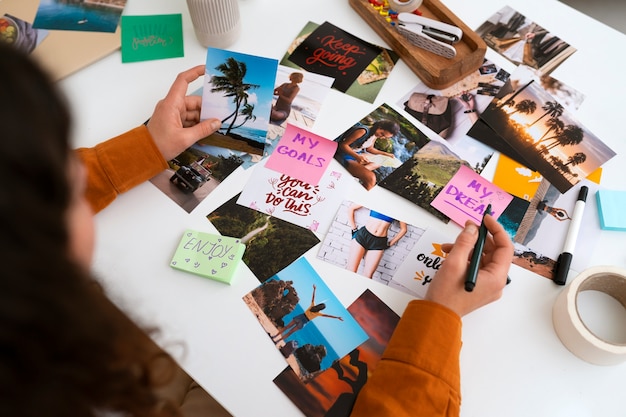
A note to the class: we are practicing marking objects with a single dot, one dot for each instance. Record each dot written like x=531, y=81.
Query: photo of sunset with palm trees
x=544, y=132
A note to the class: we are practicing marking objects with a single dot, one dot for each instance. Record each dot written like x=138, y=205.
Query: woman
x=370, y=241
x=66, y=350
x=355, y=145
x=286, y=92
x=301, y=320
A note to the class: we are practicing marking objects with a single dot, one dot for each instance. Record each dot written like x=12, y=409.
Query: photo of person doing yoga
x=370, y=241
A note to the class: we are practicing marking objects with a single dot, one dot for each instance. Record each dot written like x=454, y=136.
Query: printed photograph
x=80, y=15
x=544, y=226
x=271, y=243
x=195, y=173
x=450, y=113
x=304, y=319
x=566, y=95
x=368, y=242
x=483, y=133
x=538, y=227
x=544, y=132
x=238, y=89
x=375, y=146
x=332, y=393
x=480, y=132
x=424, y=175
x=522, y=41
x=524, y=256
x=298, y=97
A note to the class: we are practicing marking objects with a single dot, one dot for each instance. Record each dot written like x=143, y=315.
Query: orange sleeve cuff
x=118, y=164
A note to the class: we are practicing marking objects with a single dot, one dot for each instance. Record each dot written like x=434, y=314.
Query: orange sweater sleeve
x=418, y=374
x=119, y=164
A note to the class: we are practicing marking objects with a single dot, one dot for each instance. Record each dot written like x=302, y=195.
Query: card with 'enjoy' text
x=208, y=255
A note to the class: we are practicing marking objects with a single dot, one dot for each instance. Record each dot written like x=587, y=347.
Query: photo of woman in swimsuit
x=286, y=92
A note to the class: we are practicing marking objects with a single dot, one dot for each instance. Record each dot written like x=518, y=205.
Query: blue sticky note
x=208, y=255
x=611, y=207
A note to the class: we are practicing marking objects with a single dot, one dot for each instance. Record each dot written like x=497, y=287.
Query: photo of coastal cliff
x=79, y=15
x=305, y=321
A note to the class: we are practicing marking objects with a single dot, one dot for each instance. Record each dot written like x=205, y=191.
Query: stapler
x=432, y=35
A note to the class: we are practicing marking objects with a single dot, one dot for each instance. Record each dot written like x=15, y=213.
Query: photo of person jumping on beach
x=301, y=320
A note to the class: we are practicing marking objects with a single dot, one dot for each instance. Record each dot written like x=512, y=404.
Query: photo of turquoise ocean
x=80, y=15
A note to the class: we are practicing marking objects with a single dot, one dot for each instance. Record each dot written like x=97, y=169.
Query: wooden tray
x=435, y=71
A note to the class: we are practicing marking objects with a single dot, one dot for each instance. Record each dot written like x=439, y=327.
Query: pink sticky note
x=466, y=196
x=302, y=155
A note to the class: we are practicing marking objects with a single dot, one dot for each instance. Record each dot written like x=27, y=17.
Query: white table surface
x=512, y=362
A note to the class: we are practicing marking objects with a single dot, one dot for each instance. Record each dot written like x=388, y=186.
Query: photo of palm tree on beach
x=238, y=90
x=544, y=132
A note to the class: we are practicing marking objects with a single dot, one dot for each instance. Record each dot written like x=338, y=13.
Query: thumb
x=464, y=243
x=203, y=129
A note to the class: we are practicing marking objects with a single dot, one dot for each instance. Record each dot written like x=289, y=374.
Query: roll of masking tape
x=404, y=6
x=570, y=328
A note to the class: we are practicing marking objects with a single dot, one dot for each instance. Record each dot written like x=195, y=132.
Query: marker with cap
x=565, y=258
x=472, y=271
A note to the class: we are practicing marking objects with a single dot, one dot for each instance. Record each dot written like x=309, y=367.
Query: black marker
x=472, y=272
x=566, y=256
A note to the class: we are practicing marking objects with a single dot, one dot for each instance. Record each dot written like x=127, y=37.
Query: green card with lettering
x=152, y=37
x=208, y=255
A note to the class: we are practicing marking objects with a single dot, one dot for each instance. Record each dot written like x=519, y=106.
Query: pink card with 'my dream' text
x=302, y=155
x=466, y=196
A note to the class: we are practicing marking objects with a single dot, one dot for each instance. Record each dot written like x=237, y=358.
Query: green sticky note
x=151, y=37
x=208, y=255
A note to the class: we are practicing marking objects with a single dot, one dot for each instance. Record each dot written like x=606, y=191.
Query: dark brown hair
x=65, y=349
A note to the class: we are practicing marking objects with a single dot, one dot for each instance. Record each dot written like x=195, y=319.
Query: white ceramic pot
x=217, y=23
